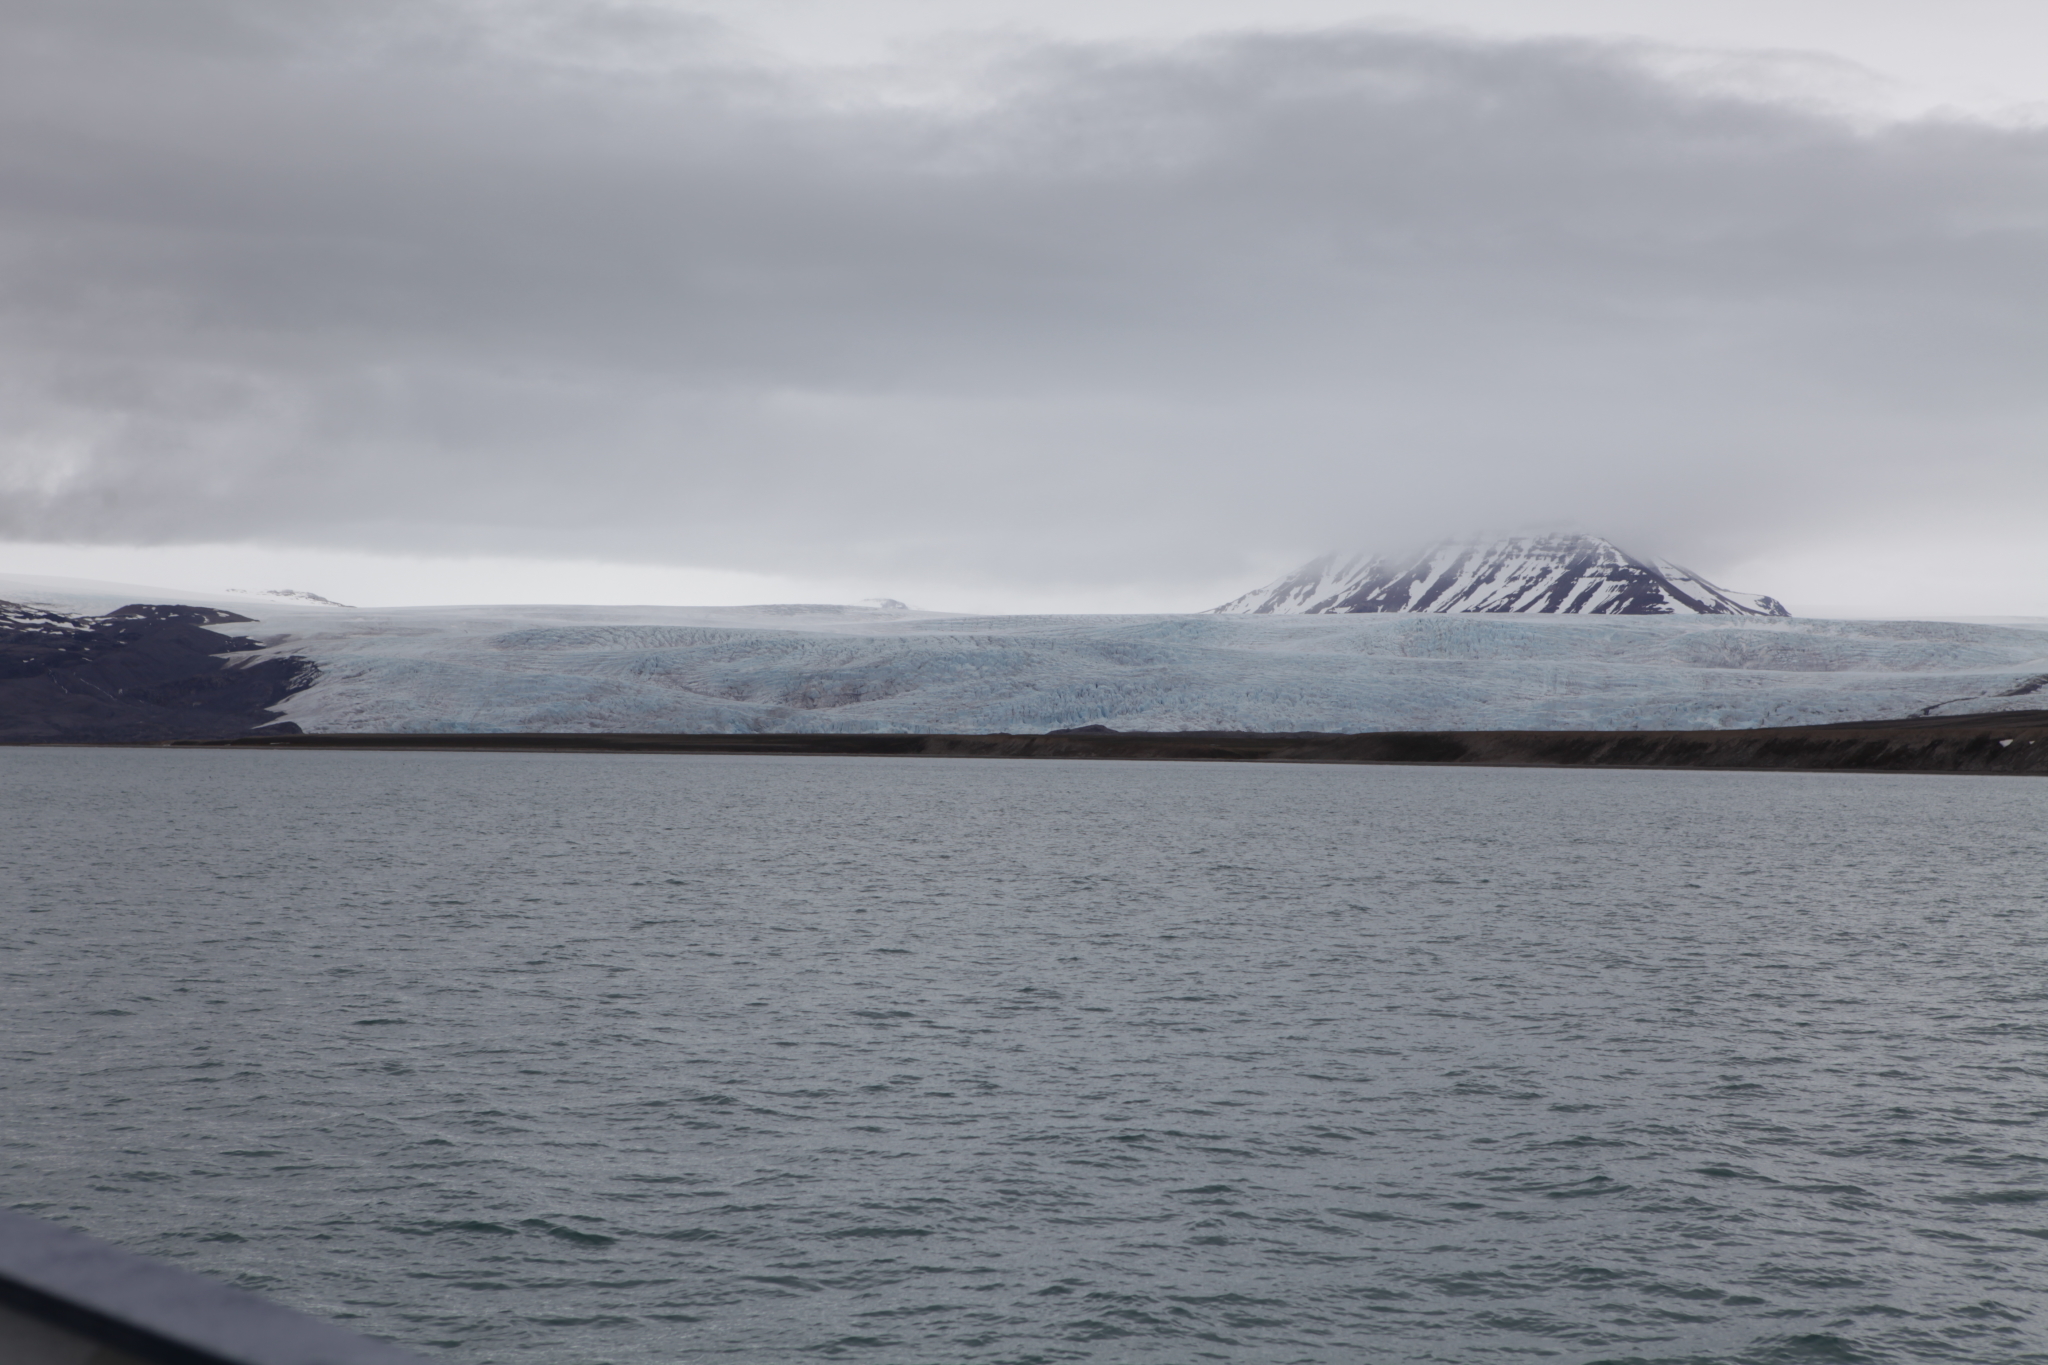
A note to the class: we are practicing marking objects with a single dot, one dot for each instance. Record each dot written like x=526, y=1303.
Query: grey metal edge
x=158, y=1313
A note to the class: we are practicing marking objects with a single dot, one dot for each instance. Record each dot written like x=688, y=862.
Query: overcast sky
x=1002, y=306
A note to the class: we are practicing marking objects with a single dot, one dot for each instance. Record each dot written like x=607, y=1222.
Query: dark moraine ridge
x=2009, y=742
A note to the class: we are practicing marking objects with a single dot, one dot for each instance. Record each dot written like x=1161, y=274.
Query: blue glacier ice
x=823, y=668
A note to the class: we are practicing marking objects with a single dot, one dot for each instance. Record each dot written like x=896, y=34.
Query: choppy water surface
x=564, y=1059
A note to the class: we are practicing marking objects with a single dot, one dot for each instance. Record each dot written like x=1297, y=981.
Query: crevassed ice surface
x=569, y=1060
x=850, y=670
x=831, y=668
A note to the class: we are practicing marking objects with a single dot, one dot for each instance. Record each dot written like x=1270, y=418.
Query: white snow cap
x=1563, y=573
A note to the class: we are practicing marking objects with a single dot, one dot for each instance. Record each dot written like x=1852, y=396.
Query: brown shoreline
x=2012, y=743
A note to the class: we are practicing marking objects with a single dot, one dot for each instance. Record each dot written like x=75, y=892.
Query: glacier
x=825, y=668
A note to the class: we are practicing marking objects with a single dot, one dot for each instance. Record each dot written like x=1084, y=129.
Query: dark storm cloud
x=582, y=280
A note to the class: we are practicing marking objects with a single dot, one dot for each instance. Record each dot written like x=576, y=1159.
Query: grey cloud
x=581, y=280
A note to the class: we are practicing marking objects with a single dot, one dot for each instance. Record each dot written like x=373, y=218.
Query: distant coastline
x=2011, y=743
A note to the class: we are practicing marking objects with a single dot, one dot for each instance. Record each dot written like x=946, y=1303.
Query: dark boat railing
x=66, y=1299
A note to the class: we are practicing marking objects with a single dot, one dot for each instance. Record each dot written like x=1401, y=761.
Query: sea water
x=558, y=1059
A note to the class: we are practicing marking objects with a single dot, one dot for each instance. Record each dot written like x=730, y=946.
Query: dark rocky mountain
x=141, y=673
x=1573, y=574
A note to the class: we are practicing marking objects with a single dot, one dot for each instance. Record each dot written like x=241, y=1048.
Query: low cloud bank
x=583, y=282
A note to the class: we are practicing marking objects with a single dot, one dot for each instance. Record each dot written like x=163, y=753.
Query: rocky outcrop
x=141, y=673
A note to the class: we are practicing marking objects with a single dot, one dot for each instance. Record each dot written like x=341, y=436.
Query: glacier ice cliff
x=822, y=668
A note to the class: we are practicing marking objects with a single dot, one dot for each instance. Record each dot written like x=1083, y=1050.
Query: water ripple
x=568, y=1059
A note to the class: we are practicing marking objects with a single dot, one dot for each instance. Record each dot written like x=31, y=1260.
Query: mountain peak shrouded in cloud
x=1559, y=573
x=440, y=280
x=295, y=595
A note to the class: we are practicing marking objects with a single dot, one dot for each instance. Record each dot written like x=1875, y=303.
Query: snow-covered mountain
x=140, y=673
x=1565, y=574
x=827, y=669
